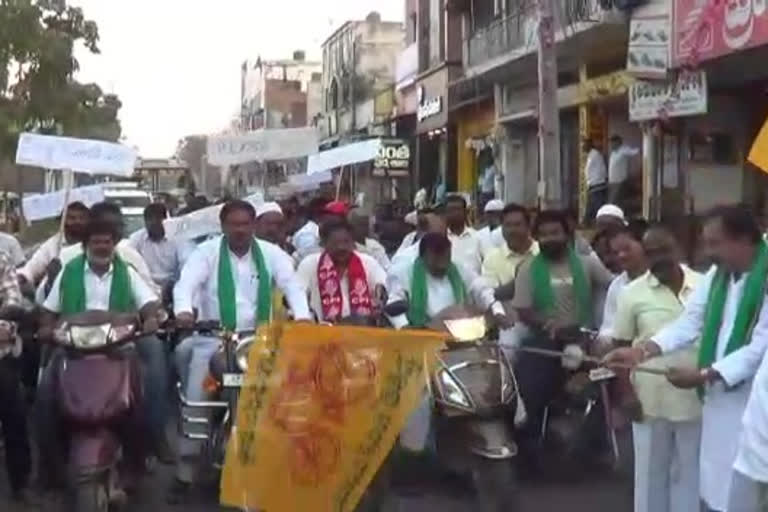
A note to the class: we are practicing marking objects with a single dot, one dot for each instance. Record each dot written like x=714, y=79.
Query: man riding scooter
x=98, y=280
x=233, y=277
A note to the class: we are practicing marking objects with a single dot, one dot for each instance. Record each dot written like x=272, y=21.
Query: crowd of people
x=700, y=431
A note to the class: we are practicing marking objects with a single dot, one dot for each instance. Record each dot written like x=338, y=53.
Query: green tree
x=38, y=91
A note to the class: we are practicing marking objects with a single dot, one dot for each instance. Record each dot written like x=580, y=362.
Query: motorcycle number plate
x=599, y=374
x=233, y=380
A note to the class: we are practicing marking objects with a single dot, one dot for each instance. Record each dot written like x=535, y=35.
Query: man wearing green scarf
x=99, y=280
x=435, y=286
x=727, y=317
x=229, y=279
x=554, y=292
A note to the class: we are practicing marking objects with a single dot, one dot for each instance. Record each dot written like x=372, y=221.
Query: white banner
x=202, y=222
x=79, y=155
x=344, y=155
x=262, y=145
x=685, y=96
x=47, y=206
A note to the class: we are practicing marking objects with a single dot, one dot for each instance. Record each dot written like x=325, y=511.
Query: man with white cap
x=270, y=224
x=490, y=236
x=610, y=216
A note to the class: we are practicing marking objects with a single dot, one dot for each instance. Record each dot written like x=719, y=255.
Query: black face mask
x=553, y=250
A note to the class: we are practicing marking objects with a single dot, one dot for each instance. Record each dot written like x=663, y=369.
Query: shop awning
x=344, y=155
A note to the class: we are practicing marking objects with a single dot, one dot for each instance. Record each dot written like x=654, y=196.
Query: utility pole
x=550, y=189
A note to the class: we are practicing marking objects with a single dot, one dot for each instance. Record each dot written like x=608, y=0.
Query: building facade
x=274, y=93
x=358, y=102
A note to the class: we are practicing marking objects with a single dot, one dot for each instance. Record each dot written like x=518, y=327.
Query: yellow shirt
x=500, y=265
x=644, y=307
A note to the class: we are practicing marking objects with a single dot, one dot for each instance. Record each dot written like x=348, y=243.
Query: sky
x=176, y=63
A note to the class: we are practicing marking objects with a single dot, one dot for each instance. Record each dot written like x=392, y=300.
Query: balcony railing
x=516, y=34
x=510, y=34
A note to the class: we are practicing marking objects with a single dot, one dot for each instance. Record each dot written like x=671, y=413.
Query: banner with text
x=78, y=155
x=202, y=222
x=684, y=96
x=320, y=411
x=262, y=145
x=47, y=206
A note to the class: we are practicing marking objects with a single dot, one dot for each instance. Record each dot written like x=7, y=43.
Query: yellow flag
x=321, y=409
x=758, y=155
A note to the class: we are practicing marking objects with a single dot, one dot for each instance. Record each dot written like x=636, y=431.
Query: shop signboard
x=428, y=107
x=393, y=160
x=648, y=53
x=684, y=96
x=706, y=29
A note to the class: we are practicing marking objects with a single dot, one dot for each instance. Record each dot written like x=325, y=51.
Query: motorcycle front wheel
x=495, y=485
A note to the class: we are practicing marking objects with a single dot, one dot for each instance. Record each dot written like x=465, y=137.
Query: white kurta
x=200, y=281
x=723, y=406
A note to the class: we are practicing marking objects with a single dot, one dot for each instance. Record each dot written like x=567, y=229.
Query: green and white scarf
x=417, y=308
x=544, y=295
x=750, y=303
x=72, y=293
x=227, y=301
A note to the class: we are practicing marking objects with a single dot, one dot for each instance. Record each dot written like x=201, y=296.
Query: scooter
x=99, y=394
x=477, y=406
x=476, y=409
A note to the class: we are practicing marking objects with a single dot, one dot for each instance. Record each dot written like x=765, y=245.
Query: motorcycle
x=100, y=421
x=577, y=423
x=216, y=418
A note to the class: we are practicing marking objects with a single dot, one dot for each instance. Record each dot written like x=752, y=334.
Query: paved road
x=599, y=494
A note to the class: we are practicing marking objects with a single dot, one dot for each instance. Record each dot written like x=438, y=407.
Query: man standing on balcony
x=597, y=180
x=619, y=183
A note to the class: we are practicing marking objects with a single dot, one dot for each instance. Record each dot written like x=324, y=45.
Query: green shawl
x=227, y=306
x=750, y=303
x=417, y=308
x=72, y=287
x=544, y=295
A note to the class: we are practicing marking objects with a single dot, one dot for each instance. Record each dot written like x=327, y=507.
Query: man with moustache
x=667, y=421
x=727, y=317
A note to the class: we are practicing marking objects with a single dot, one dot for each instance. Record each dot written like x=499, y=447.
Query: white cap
x=267, y=208
x=494, y=205
x=610, y=210
x=412, y=218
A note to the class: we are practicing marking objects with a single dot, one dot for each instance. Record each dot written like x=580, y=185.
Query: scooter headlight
x=241, y=353
x=87, y=337
x=452, y=391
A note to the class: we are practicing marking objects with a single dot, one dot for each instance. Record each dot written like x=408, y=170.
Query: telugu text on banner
x=321, y=410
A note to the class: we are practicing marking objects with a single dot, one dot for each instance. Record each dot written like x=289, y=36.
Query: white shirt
x=467, y=249
x=164, y=258
x=596, y=172
x=11, y=246
x=489, y=239
x=724, y=407
x=618, y=164
x=37, y=265
x=611, y=303
x=439, y=291
x=306, y=239
x=308, y=276
x=97, y=290
x=124, y=250
x=408, y=241
x=199, y=283
x=373, y=248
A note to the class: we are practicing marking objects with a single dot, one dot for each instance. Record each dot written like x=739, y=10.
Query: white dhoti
x=720, y=433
